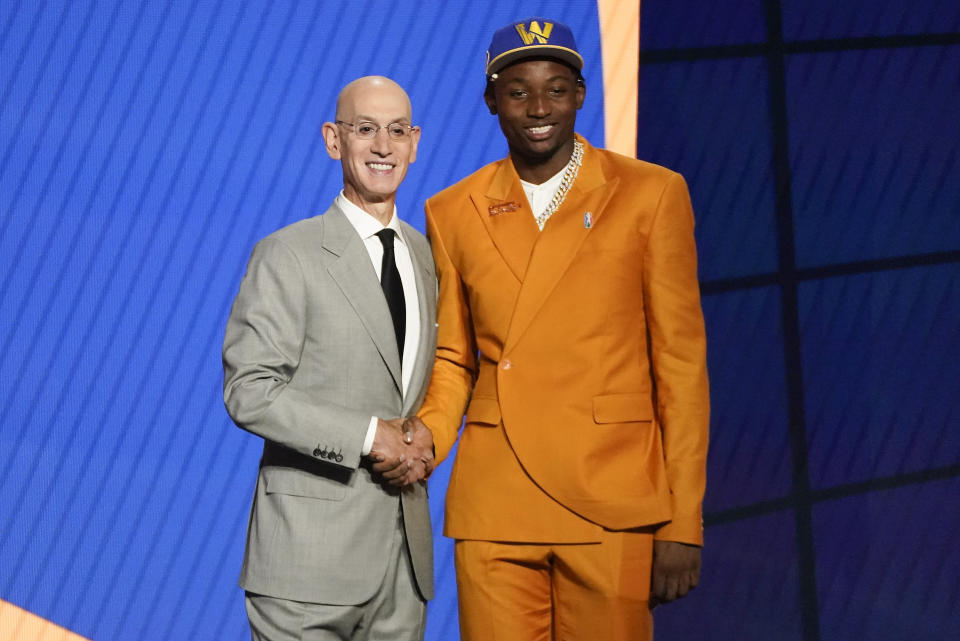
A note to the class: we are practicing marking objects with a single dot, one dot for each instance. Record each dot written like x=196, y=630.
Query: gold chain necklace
x=566, y=181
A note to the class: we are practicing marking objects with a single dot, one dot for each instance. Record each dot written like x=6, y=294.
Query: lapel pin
x=587, y=220
x=496, y=210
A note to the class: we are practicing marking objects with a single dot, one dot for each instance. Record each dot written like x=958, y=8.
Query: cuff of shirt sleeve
x=371, y=433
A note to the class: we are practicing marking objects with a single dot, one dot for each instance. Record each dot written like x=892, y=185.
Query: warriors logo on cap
x=541, y=35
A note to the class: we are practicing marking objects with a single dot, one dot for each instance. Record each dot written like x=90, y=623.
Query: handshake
x=402, y=451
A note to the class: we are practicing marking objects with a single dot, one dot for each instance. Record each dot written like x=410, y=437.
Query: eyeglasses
x=369, y=130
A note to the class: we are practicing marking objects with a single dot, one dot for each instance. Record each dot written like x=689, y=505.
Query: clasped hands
x=402, y=451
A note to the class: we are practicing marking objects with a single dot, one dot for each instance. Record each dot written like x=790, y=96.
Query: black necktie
x=392, y=287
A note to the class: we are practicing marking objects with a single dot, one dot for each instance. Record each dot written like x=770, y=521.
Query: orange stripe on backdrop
x=620, y=46
x=17, y=624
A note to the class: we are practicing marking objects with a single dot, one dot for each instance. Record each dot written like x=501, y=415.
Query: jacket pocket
x=622, y=408
x=484, y=411
x=294, y=482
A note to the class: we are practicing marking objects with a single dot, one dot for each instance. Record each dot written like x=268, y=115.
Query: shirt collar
x=365, y=224
x=548, y=184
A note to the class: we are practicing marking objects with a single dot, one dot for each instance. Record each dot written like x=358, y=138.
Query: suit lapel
x=560, y=240
x=357, y=279
x=507, y=217
x=426, y=297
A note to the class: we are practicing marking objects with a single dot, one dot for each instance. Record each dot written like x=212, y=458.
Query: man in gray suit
x=331, y=337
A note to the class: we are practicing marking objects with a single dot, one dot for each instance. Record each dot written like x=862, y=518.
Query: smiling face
x=537, y=102
x=372, y=168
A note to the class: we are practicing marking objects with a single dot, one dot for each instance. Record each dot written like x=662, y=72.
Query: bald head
x=374, y=152
x=367, y=93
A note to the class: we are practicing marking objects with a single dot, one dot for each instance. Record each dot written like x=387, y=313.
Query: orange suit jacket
x=578, y=353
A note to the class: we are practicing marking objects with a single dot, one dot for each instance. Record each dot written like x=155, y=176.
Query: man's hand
x=420, y=439
x=676, y=571
x=389, y=451
x=402, y=451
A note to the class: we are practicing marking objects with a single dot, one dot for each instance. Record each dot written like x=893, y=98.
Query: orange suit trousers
x=556, y=592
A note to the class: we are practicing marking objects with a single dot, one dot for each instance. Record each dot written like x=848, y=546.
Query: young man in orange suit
x=570, y=331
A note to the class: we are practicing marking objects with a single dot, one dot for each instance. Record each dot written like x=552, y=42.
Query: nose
x=381, y=142
x=538, y=106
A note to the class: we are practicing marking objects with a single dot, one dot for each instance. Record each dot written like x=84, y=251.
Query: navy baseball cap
x=532, y=38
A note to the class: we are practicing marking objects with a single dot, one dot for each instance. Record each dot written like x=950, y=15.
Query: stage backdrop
x=145, y=146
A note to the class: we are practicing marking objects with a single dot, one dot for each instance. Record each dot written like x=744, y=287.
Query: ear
x=581, y=94
x=415, y=140
x=331, y=140
x=491, y=103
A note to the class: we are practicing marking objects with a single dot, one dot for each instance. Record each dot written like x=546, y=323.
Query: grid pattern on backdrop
x=821, y=145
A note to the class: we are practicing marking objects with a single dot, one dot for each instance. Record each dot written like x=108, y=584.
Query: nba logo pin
x=587, y=220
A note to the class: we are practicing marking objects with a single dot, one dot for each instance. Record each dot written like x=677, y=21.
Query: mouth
x=380, y=168
x=539, y=132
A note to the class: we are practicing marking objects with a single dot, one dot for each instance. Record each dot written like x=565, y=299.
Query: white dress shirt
x=367, y=227
x=539, y=196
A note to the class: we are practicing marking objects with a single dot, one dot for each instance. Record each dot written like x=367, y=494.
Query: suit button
x=506, y=364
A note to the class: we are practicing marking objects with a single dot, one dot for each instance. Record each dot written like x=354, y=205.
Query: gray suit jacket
x=309, y=356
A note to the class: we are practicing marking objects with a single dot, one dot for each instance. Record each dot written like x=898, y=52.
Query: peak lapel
x=560, y=240
x=507, y=217
x=357, y=279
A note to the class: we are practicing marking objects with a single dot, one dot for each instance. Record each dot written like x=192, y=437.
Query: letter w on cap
x=535, y=32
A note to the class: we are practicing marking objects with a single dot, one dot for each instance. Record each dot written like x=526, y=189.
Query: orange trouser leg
x=504, y=591
x=601, y=591
x=541, y=592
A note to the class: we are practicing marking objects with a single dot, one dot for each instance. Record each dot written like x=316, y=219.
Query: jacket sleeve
x=262, y=351
x=455, y=364
x=678, y=357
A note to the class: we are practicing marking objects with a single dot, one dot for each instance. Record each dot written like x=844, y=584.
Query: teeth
x=540, y=130
x=379, y=166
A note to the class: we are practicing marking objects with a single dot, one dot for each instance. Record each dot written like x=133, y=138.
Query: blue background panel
x=693, y=23
x=880, y=354
x=748, y=586
x=749, y=458
x=144, y=148
x=710, y=120
x=874, y=138
x=811, y=19
x=883, y=572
